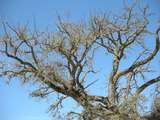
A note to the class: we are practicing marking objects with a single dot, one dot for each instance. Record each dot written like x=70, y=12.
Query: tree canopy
x=61, y=61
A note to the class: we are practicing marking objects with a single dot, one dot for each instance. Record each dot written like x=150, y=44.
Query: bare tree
x=60, y=61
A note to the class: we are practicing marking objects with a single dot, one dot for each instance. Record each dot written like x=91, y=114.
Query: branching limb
x=148, y=59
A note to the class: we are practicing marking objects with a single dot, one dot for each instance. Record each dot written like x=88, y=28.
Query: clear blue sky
x=14, y=100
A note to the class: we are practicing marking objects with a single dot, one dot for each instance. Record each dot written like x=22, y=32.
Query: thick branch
x=147, y=84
